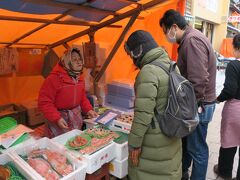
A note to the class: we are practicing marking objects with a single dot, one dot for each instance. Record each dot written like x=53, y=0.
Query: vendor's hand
x=62, y=124
x=134, y=156
x=92, y=114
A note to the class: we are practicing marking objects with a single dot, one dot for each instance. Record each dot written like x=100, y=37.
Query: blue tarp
x=40, y=8
x=28, y=7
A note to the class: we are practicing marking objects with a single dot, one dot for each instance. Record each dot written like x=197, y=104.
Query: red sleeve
x=46, y=99
x=85, y=104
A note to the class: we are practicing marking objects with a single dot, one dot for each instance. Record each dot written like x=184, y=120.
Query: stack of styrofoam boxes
x=27, y=173
x=79, y=167
x=120, y=95
x=119, y=166
x=94, y=161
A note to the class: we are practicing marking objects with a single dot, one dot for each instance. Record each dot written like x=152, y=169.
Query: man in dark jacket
x=197, y=63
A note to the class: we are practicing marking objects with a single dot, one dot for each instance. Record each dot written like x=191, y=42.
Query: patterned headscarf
x=66, y=62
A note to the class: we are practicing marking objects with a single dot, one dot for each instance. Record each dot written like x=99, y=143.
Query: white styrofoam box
x=121, y=151
x=94, y=161
x=120, y=126
x=30, y=140
x=79, y=166
x=118, y=168
x=27, y=173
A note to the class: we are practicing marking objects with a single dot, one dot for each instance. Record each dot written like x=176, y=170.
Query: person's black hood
x=138, y=44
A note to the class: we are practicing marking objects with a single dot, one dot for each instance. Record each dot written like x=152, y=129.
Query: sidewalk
x=213, y=140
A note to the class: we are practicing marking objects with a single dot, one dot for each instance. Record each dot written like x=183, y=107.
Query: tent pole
x=46, y=23
x=30, y=44
x=130, y=1
x=116, y=46
x=49, y=21
x=110, y=21
x=38, y=28
x=66, y=45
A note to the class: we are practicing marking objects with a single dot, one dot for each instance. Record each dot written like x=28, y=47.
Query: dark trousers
x=225, y=162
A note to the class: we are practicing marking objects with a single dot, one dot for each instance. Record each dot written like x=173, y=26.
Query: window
x=209, y=31
x=198, y=25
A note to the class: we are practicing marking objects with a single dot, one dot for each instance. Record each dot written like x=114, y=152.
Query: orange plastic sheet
x=18, y=88
x=121, y=67
x=226, y=48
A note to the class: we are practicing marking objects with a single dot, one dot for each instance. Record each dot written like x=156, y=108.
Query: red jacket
x=59, y=92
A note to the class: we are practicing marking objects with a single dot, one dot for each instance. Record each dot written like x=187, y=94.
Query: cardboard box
x=34, y=116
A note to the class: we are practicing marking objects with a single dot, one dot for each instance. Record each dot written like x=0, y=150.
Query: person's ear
x=175, y=27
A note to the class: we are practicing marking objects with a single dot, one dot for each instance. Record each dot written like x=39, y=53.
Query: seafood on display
x=10, y=172
x=49, y=164
x=78, y=141
x=126, y=118
x=98, y=132
x=43, y=168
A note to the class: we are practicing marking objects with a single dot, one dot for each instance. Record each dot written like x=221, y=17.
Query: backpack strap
x=167, y=70
x=163, y=67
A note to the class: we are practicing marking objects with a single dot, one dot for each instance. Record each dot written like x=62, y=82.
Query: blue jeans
x=195, y=148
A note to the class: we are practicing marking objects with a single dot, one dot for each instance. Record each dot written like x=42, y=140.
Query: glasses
x=77, y=60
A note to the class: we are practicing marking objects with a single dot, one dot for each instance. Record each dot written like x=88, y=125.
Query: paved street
x=214, y=134
x=214, y=144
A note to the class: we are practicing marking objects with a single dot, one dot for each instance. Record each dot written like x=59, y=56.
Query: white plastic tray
x=27, y=173
x=120, y=126
x=30, y=140
x=95, y=160
x=80, y=167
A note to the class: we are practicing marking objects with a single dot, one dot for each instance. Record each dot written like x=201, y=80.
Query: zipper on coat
x=75, y=89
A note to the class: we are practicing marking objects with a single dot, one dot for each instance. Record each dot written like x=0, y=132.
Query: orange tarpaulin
x=16, y=88
x=226, y=48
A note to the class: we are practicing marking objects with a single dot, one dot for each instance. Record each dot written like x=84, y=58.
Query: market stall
x=33, y=35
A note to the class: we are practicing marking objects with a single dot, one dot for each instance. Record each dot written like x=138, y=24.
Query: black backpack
x=180, y=117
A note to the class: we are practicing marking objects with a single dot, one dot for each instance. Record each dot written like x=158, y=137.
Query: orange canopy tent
x=57, y=24
x=226, y=48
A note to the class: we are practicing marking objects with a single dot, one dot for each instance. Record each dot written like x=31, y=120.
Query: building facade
x=233, y=19
x=209, y=17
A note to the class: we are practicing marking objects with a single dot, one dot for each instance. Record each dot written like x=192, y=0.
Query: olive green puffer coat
x=161, y=156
